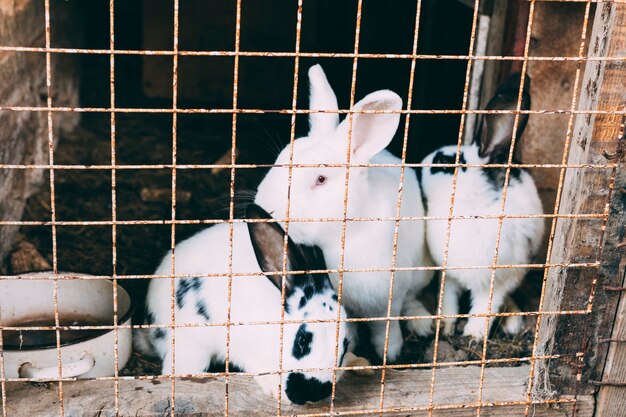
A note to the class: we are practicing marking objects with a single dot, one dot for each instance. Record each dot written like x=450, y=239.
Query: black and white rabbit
x=479, y=192
x=318, y=192
x=253, y=348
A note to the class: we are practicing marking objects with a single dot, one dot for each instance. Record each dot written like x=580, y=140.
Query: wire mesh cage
x=455, y=247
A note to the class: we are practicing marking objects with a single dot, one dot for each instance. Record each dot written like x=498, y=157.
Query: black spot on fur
x=531, y=252
x=302, y=343
x=309, y=283
x=196, y=283
x=308, y=291
x=180, y=297
x=441, y=158
x=184, y=286
x=220, y=366
x=301, y=389
x=202, y=309
x=335, y=297
x=181, y=291
x=149, y=318
x=495, y=176
x=345, y=350
x=418, y=172
x=159, y=333
x=419, y=183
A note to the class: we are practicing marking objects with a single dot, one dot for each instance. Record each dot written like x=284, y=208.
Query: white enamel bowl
x=86, y=354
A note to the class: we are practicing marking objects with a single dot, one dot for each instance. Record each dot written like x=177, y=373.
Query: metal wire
x=479, y=404
x=296, y=220
x=53, y=205
x=288, y=111
x=444, y=264
x=504, y=195
x=398, y=367
x=251, y=166
x=64, y=276
x=292, y=137
x=114, y=203
x=264, y=54
x=344, y=223
x=405, y=141
x=231, y=205
x=260, y=323
x=173, y=209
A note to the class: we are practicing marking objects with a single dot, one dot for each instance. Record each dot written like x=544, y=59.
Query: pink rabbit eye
x=321, y=180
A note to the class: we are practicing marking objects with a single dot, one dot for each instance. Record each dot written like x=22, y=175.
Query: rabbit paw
x=475, y=328
x=449, y=326
x=513, y=324
x=422, y=327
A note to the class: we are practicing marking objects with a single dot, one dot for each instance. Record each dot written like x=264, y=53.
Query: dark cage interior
x=264, y=82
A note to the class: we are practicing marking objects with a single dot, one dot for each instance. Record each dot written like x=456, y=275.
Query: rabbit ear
x=496, y=130
x=268, y=243
x=321, y=97
x=372, y=132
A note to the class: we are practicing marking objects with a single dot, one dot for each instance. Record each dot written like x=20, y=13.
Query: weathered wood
x=455, y=387
x=612, y=399
x=556, y=31
x=24, y=135
x=580, y=240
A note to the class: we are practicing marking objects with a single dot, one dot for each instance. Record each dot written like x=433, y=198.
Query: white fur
x=372, y=192
x=254, y=348
x=472, y=241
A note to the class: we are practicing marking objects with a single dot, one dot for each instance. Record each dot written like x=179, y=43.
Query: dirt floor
x=202, y=194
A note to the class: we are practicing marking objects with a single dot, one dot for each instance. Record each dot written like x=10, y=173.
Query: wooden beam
x=455, y=387
x=588, y=240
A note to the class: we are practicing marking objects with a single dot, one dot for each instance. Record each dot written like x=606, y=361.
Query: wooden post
x=595, y=140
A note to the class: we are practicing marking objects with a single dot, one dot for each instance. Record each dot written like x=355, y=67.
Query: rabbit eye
x=321, y=180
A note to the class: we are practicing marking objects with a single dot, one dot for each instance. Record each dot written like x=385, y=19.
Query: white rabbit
x=318, y=192
x=479, y=192
x=253, y=348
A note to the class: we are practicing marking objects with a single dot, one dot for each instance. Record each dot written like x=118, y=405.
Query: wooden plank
x=578, y=240
x=612, y=399
x=455, y=387
x=556, y=31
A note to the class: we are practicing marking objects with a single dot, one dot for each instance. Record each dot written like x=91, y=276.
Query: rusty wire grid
x=52, y=205
x=435, y=365
x=231, y=204
x=292, y=137
x=173, y=227
x=468, y=72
